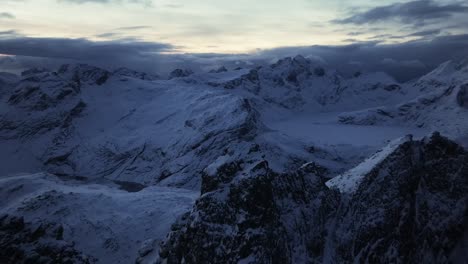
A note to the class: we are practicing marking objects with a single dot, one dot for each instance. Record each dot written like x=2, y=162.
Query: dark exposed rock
x=79, y=73
x=392, y=87
x=319, y=71
x=125, y=72
x=249, y=81
x=462, y=96
x=179, y=73
x=22, y=242
x=33, y=71
x=255, y=214
x=410, y=208
x=219, y=70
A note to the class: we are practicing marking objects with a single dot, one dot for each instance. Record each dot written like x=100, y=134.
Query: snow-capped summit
x=447, y=73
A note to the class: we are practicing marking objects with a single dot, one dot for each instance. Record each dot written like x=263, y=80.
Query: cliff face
x=409, y=208
x=255, y=214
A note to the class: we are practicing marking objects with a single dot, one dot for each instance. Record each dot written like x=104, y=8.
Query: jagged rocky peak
x=125, y=72
x=299, y=63
x=179, y=73
x=84, y=73
x=24, y=242
x=41, y=91
x=249, y=214
x=410, y=208
x=294, y=71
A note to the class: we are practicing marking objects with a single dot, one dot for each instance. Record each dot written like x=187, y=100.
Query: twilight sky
x=130, y=31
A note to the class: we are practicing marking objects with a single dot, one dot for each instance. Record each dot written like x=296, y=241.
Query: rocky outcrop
x=462, y=96
x=411, y=207
x=250, y=213
x=40, y=103
x=219, y=70
x=180, y=73
x=23, y=242
x=88, y=74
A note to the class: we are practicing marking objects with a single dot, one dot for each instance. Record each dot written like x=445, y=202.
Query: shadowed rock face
x=255, y=214
x=462, y=96
x=22, y=242
x=410, y=208
x=179, y=73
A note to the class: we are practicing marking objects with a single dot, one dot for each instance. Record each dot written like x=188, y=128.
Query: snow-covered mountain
x=440, y=104
x=286, y=157
x=416, y=192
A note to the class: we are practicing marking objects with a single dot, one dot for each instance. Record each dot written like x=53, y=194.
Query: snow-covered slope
x=348, y=182
x=102, y=221
x=440, y=104
x=84, y=121
x=301, y=84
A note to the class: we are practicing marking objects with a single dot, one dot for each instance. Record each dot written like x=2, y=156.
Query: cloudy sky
x=145, y=32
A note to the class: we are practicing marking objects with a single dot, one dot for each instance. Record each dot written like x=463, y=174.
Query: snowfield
x=110, y=224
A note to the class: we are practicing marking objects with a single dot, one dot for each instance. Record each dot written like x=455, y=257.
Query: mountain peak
x=84, y=73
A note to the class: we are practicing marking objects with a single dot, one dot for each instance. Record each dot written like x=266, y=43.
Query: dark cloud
x=33, y=51
x=414, y=12
x=426, y=33
x=27, y=52
x=78, y=48
x=6, y=15
x=404, y=61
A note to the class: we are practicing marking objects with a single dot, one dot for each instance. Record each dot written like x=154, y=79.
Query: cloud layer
x=415, y=12
x=404, y=61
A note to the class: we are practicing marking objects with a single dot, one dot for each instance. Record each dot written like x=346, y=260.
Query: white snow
x=349, y=181
x=324, y=130
x=103, y=221
x=212, y=169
